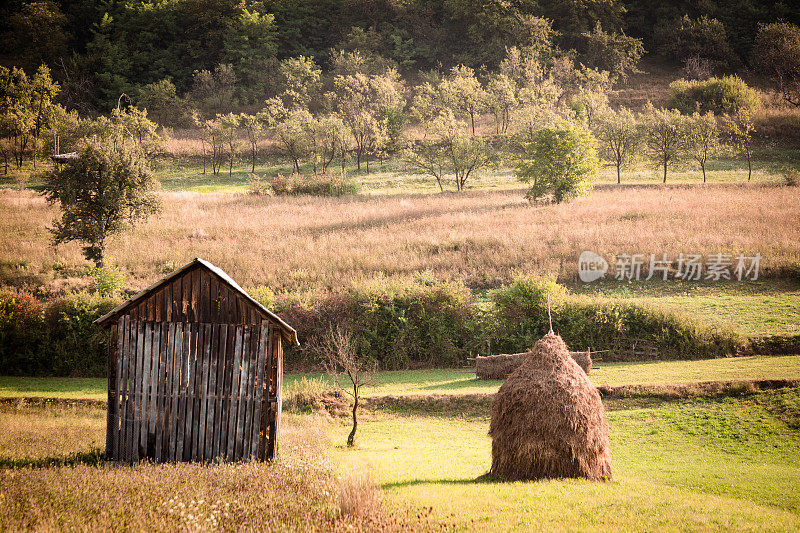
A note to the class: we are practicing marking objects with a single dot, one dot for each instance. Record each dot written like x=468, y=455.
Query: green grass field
x=463, y=381
x=752, y=308
x=699, y=465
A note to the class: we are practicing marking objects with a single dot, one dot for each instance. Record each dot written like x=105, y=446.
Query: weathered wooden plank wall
x=192, y=391
x=195, y=296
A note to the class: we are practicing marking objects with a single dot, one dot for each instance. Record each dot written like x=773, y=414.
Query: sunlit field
x=723, y=463
x=482, y=238
x=457, y=381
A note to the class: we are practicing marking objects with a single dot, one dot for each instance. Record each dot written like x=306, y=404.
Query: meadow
x=702, y=464
x=458, y=381
x=481, y=238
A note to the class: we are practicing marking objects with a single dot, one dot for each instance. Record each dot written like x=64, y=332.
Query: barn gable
x=197, y=292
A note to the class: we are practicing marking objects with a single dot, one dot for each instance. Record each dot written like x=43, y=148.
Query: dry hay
x=501, y=366
x=548, y=420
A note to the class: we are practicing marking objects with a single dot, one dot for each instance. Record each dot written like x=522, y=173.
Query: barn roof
x=111, y=315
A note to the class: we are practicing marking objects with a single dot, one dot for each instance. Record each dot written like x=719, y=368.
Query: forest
x=99, y=50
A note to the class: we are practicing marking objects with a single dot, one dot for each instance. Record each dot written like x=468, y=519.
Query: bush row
x=413, y=325
x=401, y=325
x=53, y=339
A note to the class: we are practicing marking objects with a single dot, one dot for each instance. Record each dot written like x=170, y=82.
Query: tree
x=449, y=150
x=101, y=193
x=17, y=116
x=363, y=103
x=776, y=54
x=249, y=47
x=701, y=138
x=229, y=132
x=253, y=126
x=161, y=100
x=214, y=91
x=619, y=138
x=292, y=131
x=462, y=92
x=132, y=124
x=616, y=53
x=589, y=105
x=501, y=98
x=327, y=137
x=739, y=130
x=36, y=34
x=342, y=362
x=687, y=37
x=662, y=134
x=560, y=161
x=302, y=82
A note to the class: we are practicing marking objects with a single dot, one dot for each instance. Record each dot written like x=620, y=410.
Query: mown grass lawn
x=463, y=381
x=694, y=465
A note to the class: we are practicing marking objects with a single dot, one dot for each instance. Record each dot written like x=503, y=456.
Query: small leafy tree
x=448, y=149
x=619, y=138
x=343, y=363
x=327, y=138
x=663, y=134
x=292, y=132
x=101, y=193
x=462, y=92
x=363, y=103
x=302, y=82
x=253, y=125
x=701, y=138
x=229, y=131
x=560, y=161
x=738, y=130
x=501, y=99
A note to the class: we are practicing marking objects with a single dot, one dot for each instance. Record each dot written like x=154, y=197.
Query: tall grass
x=45, y=488
x=484, y=239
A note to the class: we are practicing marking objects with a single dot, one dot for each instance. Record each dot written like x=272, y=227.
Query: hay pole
x=550, y=318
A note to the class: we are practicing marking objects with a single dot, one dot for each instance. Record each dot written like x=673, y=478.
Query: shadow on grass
x=488, y=384
x=484, y=478
x=93, y=457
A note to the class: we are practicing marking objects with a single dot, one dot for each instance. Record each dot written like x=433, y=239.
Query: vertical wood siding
x=199, y=391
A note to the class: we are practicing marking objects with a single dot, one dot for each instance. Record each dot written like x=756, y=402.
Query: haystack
x=501, y=366
x=548, y=420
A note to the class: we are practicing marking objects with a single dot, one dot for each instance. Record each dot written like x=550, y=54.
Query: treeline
x=100, y=50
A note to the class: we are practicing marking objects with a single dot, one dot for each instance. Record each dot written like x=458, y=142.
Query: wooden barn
x=195, y=369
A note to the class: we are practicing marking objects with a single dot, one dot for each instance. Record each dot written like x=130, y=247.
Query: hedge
x=401, y=326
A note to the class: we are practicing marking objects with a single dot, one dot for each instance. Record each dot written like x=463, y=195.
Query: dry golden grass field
x=482, y=238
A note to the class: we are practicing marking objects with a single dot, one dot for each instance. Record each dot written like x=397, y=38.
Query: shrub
x=257, y=186
x=585, y=323
x=108, y=281
x=311, y=184
x=77, y=347
x=23, y=336
x=399, y=326
x=520, y=312
x=728, y=94
x=776, y=55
